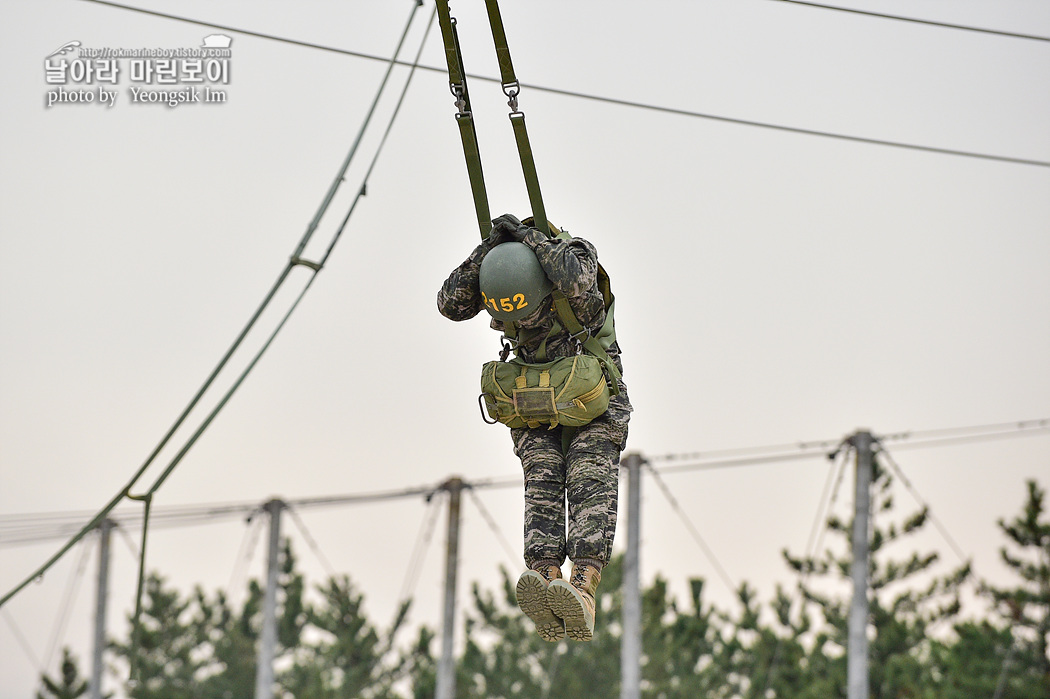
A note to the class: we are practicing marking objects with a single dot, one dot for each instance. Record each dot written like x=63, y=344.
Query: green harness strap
x=457, y=80
x=597, y=344
x=511, y=88
x=468, y=134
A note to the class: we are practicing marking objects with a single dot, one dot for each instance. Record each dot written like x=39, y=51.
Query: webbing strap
x=469, y=136
x=517, y=117
x=457, y=80
x=452, y=57
x=499, y=37
x=528, y=169
x=592, y=343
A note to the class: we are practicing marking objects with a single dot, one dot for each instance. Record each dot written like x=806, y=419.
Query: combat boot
x=573, y=601
x=531, y=593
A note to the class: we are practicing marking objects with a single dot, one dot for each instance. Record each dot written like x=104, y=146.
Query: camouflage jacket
x=571, y=265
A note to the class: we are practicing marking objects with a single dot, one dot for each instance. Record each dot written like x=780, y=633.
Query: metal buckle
x=507, y=348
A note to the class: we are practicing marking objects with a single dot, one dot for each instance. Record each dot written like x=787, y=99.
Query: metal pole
x=446, y=673
x=268, y=638
x=631, y=642
x=857, y=670
x=95, y=689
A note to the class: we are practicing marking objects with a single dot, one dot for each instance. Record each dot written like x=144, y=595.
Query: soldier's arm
x=571, y=265
x=460, y=297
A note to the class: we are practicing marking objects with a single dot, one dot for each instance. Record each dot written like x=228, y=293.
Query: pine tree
x=70, y=686
x=1026, y=608
x=902, y=610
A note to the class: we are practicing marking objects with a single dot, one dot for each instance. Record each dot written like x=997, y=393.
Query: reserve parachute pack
x=568, y=391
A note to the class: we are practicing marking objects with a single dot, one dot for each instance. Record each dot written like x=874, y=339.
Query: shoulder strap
x=457, y=80
x=511, y=88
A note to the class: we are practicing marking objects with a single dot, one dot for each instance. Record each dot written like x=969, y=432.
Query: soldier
x=562, y=465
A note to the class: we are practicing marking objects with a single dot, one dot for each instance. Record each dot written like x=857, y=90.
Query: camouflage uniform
x=587, y=475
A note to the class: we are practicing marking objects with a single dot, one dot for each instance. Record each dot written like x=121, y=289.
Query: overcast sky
x=773, y=287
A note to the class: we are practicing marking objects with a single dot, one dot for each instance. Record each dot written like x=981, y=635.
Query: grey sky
x=772, y=287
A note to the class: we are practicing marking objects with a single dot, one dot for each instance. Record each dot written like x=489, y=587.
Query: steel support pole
x=857, y=669
x=268, y=637
x=101, y=598
x=446, y=671
x=631, y=641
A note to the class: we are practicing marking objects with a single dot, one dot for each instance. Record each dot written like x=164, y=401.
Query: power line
x=914, y=20
x=20, y=637
x=311, y=542
x=918, y=498
x=38, y=527
x=753, y=456
x=419, y=551
x=694, y=532
x=491, y=522
x=294, y=261
x=599, y=98
x=72, y=587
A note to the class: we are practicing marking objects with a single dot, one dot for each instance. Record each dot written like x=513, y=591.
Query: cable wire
x=606, y=100
x=294, y=261
x=512, y=558
x=311, y=542
x=20, y=637
x=72, y=587
x=693, y=530
x=816, y=537
x=419, y=550
x=914, y=20
x=242, y=561
x=922, y=503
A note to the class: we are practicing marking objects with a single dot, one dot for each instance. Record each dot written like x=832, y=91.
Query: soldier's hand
x=507, y=228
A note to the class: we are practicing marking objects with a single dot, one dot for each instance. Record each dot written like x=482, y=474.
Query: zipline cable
x=914, y=20
x=608, y=100
x=294, y=261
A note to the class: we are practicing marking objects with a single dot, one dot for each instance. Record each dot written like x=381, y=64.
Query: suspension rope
x=242, y=561
x=915, y=20
x=20, y=637
x=692, y=530
x=295, y=260
x=419, y=549
x=311, y=542
x=457, y=77
x=72, y=586
x=599, y=98
x=922, y=503
x=816, y=537
x=491, y=522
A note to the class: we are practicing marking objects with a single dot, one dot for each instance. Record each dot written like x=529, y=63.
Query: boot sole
x=568, y=604
x=531, y=593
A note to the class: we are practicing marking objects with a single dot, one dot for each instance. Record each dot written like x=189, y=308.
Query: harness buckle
x=511, y=90
x=505, y=352
x=461, y=101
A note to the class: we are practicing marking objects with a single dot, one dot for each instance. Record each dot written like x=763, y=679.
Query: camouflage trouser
x=586, y=478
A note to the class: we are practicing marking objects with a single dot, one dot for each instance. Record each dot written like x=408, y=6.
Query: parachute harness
x=598, y=344
x=457, y=78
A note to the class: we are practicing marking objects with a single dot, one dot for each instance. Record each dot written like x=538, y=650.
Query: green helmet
x=513, y=284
